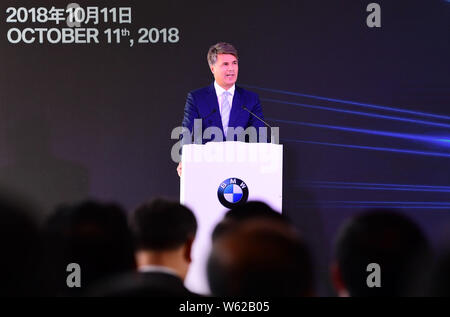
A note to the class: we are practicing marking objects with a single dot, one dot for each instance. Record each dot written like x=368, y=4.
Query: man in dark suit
x=164, y=232
x=220, y=105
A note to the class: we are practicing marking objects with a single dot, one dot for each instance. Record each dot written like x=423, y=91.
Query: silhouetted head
x=93, y=235
x=388, y=239
x=260, y=257
x=164, y=232
x=163, y=225
x=249, y=210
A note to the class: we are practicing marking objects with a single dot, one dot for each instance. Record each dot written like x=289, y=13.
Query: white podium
x=217, y=176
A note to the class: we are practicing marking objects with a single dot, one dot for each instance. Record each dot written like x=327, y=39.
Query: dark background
x=94, y=120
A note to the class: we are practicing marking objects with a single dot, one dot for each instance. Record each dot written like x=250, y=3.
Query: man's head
x=164, y=232
x=386, y=238
x=94, y=235
x=260, y=257
x=223, y=62
x=247, y=211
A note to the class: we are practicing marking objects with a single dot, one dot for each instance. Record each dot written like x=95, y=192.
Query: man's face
x=225, y=70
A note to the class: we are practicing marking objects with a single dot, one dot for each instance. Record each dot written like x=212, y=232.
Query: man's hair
x=392, y=241
x=92, y=234
x=247, y=211
x=220, y=48
x=261, y=257
x=162, y=225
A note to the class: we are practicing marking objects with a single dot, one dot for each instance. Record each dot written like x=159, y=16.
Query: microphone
x=265, y=123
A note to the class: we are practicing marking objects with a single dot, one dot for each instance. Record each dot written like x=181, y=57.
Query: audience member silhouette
x=20, y=250
x=260, y=257
x=164, y=232
x=250, y=210
x=93, y=235
x=388, y=239
x=256, y=251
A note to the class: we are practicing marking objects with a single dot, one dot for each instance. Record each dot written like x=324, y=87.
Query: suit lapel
x=214, y=104
x=235, y=109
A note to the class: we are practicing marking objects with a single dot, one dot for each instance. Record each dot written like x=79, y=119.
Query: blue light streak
x=362, y=147
x=384, y=202
x=418, y=113
x=376, y=206
x=382, y=188
x=375, y=186
x=378, y=184
x=373, y=132
x=367, y=114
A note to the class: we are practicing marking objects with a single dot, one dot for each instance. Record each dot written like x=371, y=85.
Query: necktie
x=225, y=111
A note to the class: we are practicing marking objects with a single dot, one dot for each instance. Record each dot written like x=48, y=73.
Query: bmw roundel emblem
x=232, y=192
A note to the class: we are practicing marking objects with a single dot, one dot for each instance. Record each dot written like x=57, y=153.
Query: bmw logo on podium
x=232, y=192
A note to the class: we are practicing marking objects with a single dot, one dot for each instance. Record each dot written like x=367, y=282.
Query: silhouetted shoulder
x=154, y=284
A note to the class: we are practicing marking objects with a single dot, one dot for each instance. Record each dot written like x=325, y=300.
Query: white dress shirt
x=219, y=92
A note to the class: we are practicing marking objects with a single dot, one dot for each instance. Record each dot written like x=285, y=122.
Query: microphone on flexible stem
x=272, y=139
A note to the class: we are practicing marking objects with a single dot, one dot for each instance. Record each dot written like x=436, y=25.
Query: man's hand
x=179, y=169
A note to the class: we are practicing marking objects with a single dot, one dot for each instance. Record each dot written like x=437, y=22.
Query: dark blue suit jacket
x=200, y=104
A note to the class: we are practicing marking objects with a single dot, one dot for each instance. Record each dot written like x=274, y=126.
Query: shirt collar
x=220, y=90
x=156, y=269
